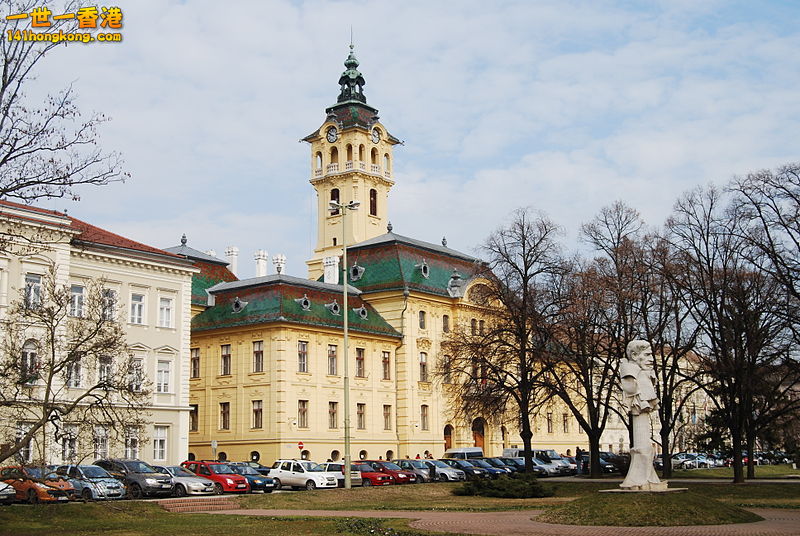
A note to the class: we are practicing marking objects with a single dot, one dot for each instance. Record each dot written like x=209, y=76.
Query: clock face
x=332, y=135
x=376, y=135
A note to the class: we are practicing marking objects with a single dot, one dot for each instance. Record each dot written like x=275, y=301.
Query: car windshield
x=34, y=472
x=512, y=461
x=139, y=467
x=418, y=464
x=494, y=462
x=553, y=455
x=392, y=466
x=364, y=468
x=312, y=467
x=93, y=471
x=465, y=463
x=481, y=463
x=245, y=470
x=177, y=470
x=437, y=463
x=222, y=469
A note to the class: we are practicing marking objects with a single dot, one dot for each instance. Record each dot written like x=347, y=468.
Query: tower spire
x=351, y=83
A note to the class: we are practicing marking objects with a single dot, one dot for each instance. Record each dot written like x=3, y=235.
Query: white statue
x=639, y=397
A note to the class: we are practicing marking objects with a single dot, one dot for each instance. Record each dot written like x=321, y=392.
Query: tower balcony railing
x=352, y=165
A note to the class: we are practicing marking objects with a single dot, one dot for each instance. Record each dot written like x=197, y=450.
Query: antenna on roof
x=351, y=37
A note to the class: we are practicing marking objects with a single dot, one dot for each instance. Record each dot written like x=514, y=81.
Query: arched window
x=335, y=455
x=422, y=320
x=474, y=326
x=29, y=362
x=362, y=152
x=334, y=155
x=362, y=455
x=446, y=323
x=373, y=202
x=318, y=161
x=386, y=162
x=374, y=156
x=335, y=197
x=349, y=152
x=423, y=367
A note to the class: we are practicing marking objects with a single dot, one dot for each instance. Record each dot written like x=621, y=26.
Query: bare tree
x=65, y=370
x=47, y=148
x=497, y=365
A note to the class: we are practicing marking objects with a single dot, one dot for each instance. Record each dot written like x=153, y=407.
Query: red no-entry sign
x=300, y=445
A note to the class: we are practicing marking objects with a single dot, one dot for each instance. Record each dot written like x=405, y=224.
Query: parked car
x=538, y=470
x=225, y=478
x=550, y=456
x=92, y=482
x=471, y=471
x=371, y=477
x=418, y=467
x=338, y=468
x=263, y=469
x=257, y=481
x=498, y=464
x=605, y=466
x=302, y=474
x=390, y=468
x=493, y=471
x=35, y=485
x=444, y=472
x=464, y=453
x=185, y=482
x=573, y=464
x=140, y=479
x=7, y=493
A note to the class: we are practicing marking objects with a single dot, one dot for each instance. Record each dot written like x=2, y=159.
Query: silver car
x=338, y=468
x=418, y=467
x=443, y=472
x=186, y=482
x=92, y=482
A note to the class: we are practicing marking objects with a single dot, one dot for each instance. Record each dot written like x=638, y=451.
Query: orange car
x=33, y=484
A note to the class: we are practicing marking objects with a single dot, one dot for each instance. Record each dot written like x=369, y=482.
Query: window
x=131, y=442
x=386, y=364
x=225, y=360
x=373, y=202
x=193, y=417
x=332, y=360
x=387, y=417
x=29, y=363
x=33, y=291
x=76, y=301
x=302, y=413
x=100, y=440
x=423, y=417
x=258, y=413
x=302, y=356
x=446, y=323
x=135, y=375
x=137, y=308
x=481, y=325
x=160, y=443
x=25, y=454
x=422, y=320
x=69, y=443
x=165, y=312
x=333, y=415
x=448, y=369
x=194, y=361
x=74, y=371
x=423, y=367
x=565, y=422
x=360, y=369
x=224, y=415
x=104, y=373
x=549, y=423
x=473, y=326
x=162, y=377
x=258, y=356
x=334, y=197
x=109, y=303
x=361, y=416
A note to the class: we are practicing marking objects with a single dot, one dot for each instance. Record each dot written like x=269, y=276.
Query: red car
x=369, y=477
x=35, y=485
x=224, y=477
x=400, y=476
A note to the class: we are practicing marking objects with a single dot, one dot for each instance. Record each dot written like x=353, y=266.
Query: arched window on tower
x=362, y=153
x=373, y=202
x=349, y=153
x=374, y=160
x=318, y=161
x=386, y=162
x=335, y=197
x=334, y=155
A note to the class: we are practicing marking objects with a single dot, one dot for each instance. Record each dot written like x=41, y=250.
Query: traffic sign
x=300, y=445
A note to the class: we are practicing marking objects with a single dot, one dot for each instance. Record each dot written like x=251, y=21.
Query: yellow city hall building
x=267, y=368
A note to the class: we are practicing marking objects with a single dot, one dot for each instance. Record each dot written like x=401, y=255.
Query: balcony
x=351, y=165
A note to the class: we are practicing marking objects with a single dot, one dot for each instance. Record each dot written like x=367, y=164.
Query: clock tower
x=351, y=160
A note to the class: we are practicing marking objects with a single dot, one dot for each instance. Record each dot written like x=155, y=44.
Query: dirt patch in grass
x=646, y=510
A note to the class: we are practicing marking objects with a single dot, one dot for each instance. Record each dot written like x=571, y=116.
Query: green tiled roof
x=278, y=299
x=210, y=274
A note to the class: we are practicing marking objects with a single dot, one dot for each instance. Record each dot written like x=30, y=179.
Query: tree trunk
x=666, y=453
x=595, y=471
x=736, y=440
x=751, y=467
x=526, y=434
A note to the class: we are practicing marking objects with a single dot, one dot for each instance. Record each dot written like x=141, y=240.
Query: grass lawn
x=647, y=509
x=762, y=471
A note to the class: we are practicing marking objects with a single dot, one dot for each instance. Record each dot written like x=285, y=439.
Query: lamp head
x=353, y=205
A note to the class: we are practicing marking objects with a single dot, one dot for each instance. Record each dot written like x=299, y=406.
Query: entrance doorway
x=478, y=431
x=448, y=437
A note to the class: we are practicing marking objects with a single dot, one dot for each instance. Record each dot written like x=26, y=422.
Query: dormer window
x=356, y=272
x=304, y=302
x=361, y=311
x=334, y=308
x=423, y=268
x=238, y=305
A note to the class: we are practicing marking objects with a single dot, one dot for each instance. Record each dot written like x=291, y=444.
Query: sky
x=563, y=106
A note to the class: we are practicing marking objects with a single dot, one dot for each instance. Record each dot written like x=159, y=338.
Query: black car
x=605, y=466
x=257, y=481
x=519, y=463
x=140, y=478
x=497, y=463
x=471, y=471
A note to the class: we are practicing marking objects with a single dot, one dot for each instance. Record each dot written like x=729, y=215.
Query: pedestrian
x=578, y=459
x=418, y=455
x=431, y=470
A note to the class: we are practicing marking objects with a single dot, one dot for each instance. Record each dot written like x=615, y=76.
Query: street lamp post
x=334, y=206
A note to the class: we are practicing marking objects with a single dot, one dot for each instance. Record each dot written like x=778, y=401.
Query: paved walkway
x=776, y=523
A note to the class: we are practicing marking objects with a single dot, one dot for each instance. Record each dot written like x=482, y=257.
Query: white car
x=7, y=494
x=301, y=474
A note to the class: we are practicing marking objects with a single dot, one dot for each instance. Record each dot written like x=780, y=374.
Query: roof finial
x=351, y=37
x=444, y=241
x=389, y=227
x=183, y=239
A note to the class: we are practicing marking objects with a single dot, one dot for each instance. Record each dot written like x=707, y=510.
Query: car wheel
x=267, y=491
x=86, y=494
x=443, y=478
x=33, y=497
x=366, y=483
x=310, y=485
x=180, y=491
x=277, y=484
x=218, y=490
x=135, y=491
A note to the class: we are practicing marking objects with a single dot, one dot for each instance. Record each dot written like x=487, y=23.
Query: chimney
x=331, y=274
x=261, y=257
x=232, y=256
x=279, y=261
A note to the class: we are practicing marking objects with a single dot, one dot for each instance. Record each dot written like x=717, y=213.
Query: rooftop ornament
x=351, y=83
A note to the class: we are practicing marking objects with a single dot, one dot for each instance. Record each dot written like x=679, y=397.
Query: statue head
x=640, y=352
